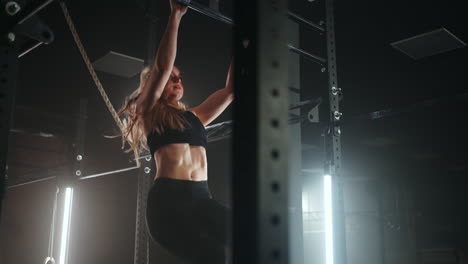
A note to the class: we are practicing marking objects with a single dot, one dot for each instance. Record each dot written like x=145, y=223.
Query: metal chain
x=90, y=66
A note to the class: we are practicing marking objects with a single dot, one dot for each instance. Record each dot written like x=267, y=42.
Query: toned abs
x=181, y=161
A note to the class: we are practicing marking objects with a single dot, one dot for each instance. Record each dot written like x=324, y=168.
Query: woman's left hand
x=178, y=8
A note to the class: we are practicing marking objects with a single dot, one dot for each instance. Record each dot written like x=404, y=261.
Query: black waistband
x=188, y=182
x=182, y=188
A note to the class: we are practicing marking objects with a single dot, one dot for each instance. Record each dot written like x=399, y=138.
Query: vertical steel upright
x=260, y=178
x=333, y=142
x=80, y=137
x=8, y=75
x=68, y=180
x=296, y=228
x=141, y=252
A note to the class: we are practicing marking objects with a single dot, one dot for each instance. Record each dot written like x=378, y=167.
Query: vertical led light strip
x=66, y=225
x=328, y=207
x=305, y=202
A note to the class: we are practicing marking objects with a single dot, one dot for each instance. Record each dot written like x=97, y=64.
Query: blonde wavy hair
x=138, y=124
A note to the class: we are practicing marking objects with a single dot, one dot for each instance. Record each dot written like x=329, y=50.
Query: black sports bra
x=194, y=134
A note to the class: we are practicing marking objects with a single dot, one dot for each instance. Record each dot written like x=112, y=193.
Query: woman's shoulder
x=191, y=111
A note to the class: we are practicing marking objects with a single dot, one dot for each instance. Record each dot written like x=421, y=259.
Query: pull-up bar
x=222, y=18
x=206, y=11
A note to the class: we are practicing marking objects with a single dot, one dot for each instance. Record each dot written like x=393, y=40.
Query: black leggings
x=183, y=217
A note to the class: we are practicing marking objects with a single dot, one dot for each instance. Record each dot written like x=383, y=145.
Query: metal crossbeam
x=314, y=58
x=21, y=14
x=298, y=18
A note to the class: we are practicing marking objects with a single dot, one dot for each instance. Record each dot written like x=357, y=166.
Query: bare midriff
x=181, y=161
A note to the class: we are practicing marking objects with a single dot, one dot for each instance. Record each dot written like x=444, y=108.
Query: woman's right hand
x=178, y=8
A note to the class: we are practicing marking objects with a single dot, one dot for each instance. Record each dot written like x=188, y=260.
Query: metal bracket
x=313, y=115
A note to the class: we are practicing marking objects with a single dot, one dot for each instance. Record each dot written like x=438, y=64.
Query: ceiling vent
x=119, y=64
x=428, y=44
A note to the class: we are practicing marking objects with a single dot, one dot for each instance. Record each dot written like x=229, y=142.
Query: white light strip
x=66, y=225
x=305, y=202
x=328, y=207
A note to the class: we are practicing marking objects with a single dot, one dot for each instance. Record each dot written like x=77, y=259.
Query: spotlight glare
x=305, y=202
x=328, y=207
x=66, y=225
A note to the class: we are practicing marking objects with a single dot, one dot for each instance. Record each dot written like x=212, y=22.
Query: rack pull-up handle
x=184, y=2
x=206, y=11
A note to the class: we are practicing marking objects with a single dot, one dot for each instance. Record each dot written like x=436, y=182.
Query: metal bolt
x=337, y=131
x=323, y=69
x=335, y=90
x=147, y=170
x=11, y=37
x=148, y=158
x=337, y=115
x=79, y=157
x=78, y=173
x=49, y=260
x=12, y=8
x=321, y=23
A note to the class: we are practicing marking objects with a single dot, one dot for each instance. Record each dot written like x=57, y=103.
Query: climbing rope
x=91, y=70
x=90, y=67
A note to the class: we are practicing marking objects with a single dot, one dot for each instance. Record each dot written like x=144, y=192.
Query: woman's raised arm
x=217, y=102
x=164, y=62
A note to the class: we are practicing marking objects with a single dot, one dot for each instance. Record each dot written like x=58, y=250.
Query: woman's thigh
x=213, y=220
x=184, y=238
